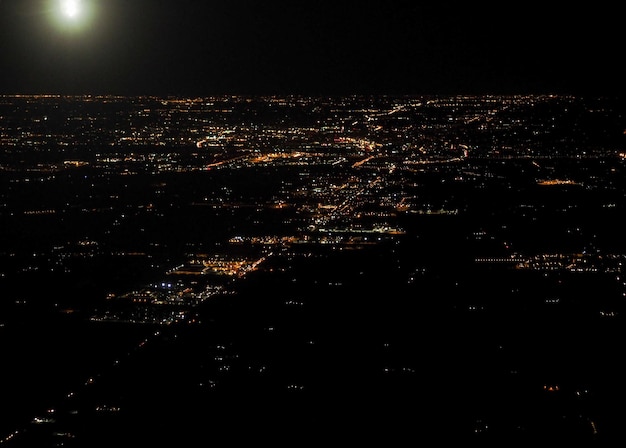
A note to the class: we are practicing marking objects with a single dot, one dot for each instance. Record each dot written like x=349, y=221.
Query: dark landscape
x=294, y=269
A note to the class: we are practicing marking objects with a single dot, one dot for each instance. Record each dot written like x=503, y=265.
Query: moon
x=71, y=8
x=73, y=16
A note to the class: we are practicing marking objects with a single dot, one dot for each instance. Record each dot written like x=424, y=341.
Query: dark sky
x=205, y=47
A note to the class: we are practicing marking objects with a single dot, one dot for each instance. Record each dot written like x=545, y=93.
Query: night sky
x=206, y=47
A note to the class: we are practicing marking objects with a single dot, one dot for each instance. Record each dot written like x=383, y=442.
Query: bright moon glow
x=70, y=8
x=73, y=16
